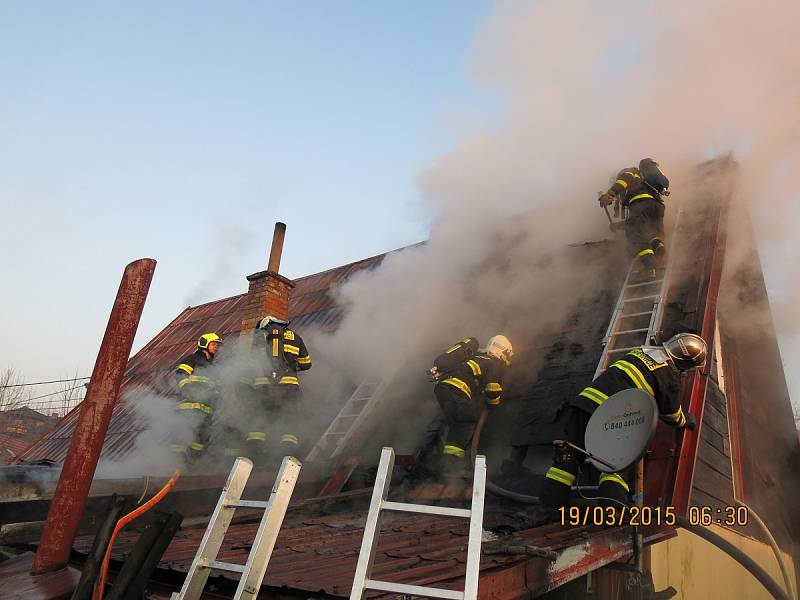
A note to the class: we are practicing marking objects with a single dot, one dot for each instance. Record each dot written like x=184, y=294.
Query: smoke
x=158, y=425
x=589, y=88
x=228, y=245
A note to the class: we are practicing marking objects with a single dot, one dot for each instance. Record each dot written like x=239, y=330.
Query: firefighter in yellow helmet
x=654, y=369
x=640, y=193
x=467, y=378
x=199, y=393
x=274, y=395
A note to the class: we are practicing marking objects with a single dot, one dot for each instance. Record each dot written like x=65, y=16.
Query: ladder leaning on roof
x=352, y=417
x=639, y=312
x=253, y=571
x=637, y=321
x=369, y=543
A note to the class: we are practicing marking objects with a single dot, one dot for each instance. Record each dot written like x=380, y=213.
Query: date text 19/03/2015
x=646, y=516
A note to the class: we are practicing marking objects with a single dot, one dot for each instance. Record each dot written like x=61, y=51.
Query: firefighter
x=640, y=193
x=199, y=393
x=463, y=374
x=280, y=354
x=653, y=369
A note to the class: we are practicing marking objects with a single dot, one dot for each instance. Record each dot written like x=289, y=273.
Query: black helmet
x=687, y=350
x=652, y=175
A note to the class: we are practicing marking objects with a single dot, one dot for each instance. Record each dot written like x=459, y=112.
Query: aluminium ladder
x=637, y=316
x=369, y=543
x=253, y=571
x=350, y=419
x=639, y=312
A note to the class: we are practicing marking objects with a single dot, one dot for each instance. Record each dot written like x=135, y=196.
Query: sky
x=183, y=131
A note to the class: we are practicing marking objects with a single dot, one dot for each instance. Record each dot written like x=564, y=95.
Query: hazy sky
x=182, y=131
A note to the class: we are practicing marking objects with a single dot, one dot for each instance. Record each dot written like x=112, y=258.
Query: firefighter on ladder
x=199, y=392
x=463, y=373
x=654, y=369
x=274, y=401
x=640, y=194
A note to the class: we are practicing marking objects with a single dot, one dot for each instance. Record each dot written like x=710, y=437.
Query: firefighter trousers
x=461, y=414
x=192, y=436
x=272, y=420
x=644, y=230
x=613, y=488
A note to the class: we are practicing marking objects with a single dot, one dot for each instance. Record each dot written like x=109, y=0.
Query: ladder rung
x=350, y=415
x=643, y=283
x=638, y=314
x=426, y=509
x=413, y=590
x=617, y=350
x=650, y=297
x=223, y=566
x=248, y=504
x=630, y=331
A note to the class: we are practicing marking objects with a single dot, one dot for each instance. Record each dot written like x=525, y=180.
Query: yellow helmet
x=205, y=339
x=499, y=347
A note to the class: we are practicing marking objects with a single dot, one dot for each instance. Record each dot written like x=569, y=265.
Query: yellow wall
x=701, y=571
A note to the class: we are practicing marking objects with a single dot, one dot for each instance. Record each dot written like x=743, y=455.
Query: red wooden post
x=69, y=499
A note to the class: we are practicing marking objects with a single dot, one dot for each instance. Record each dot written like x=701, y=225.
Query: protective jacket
x=198, y=389
x=481, y=373
x=285, y=354
x=645, y=368
x=631, y=188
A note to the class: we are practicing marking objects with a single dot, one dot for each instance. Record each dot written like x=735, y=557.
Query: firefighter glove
x=691, y=422
x=606, y=199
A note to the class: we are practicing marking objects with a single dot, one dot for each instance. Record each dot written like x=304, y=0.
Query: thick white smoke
x=590, y=87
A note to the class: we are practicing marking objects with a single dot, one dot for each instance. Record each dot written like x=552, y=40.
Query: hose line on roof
x=737, y=555
x=708, y=535
x=493, y=487
x=787, y=580
x=100, y=584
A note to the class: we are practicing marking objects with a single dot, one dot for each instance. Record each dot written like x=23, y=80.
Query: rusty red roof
x=319, y=554
x=10, y=446
x=311, y=305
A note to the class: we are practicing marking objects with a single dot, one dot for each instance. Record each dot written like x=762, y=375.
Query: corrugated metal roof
x=311, y=305
x=320, y=554
x=10, y=446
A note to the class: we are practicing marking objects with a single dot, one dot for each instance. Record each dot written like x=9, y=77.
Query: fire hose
x=493, y=487
x=135, y=513
x=708, y=535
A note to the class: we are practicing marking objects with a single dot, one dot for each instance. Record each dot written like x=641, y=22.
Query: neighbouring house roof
x=11, y=446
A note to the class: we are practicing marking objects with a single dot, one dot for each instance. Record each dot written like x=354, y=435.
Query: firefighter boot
x=559, y=479
x=289, y=445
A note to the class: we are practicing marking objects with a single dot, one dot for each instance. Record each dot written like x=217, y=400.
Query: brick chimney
x=268, y=293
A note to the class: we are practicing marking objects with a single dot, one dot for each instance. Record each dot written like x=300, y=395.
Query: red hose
x=100, y=585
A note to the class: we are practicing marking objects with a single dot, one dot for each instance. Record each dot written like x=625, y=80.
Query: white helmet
x=264, y=323
x=499, y=347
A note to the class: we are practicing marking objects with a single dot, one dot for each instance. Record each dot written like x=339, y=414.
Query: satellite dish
x=621, y=428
